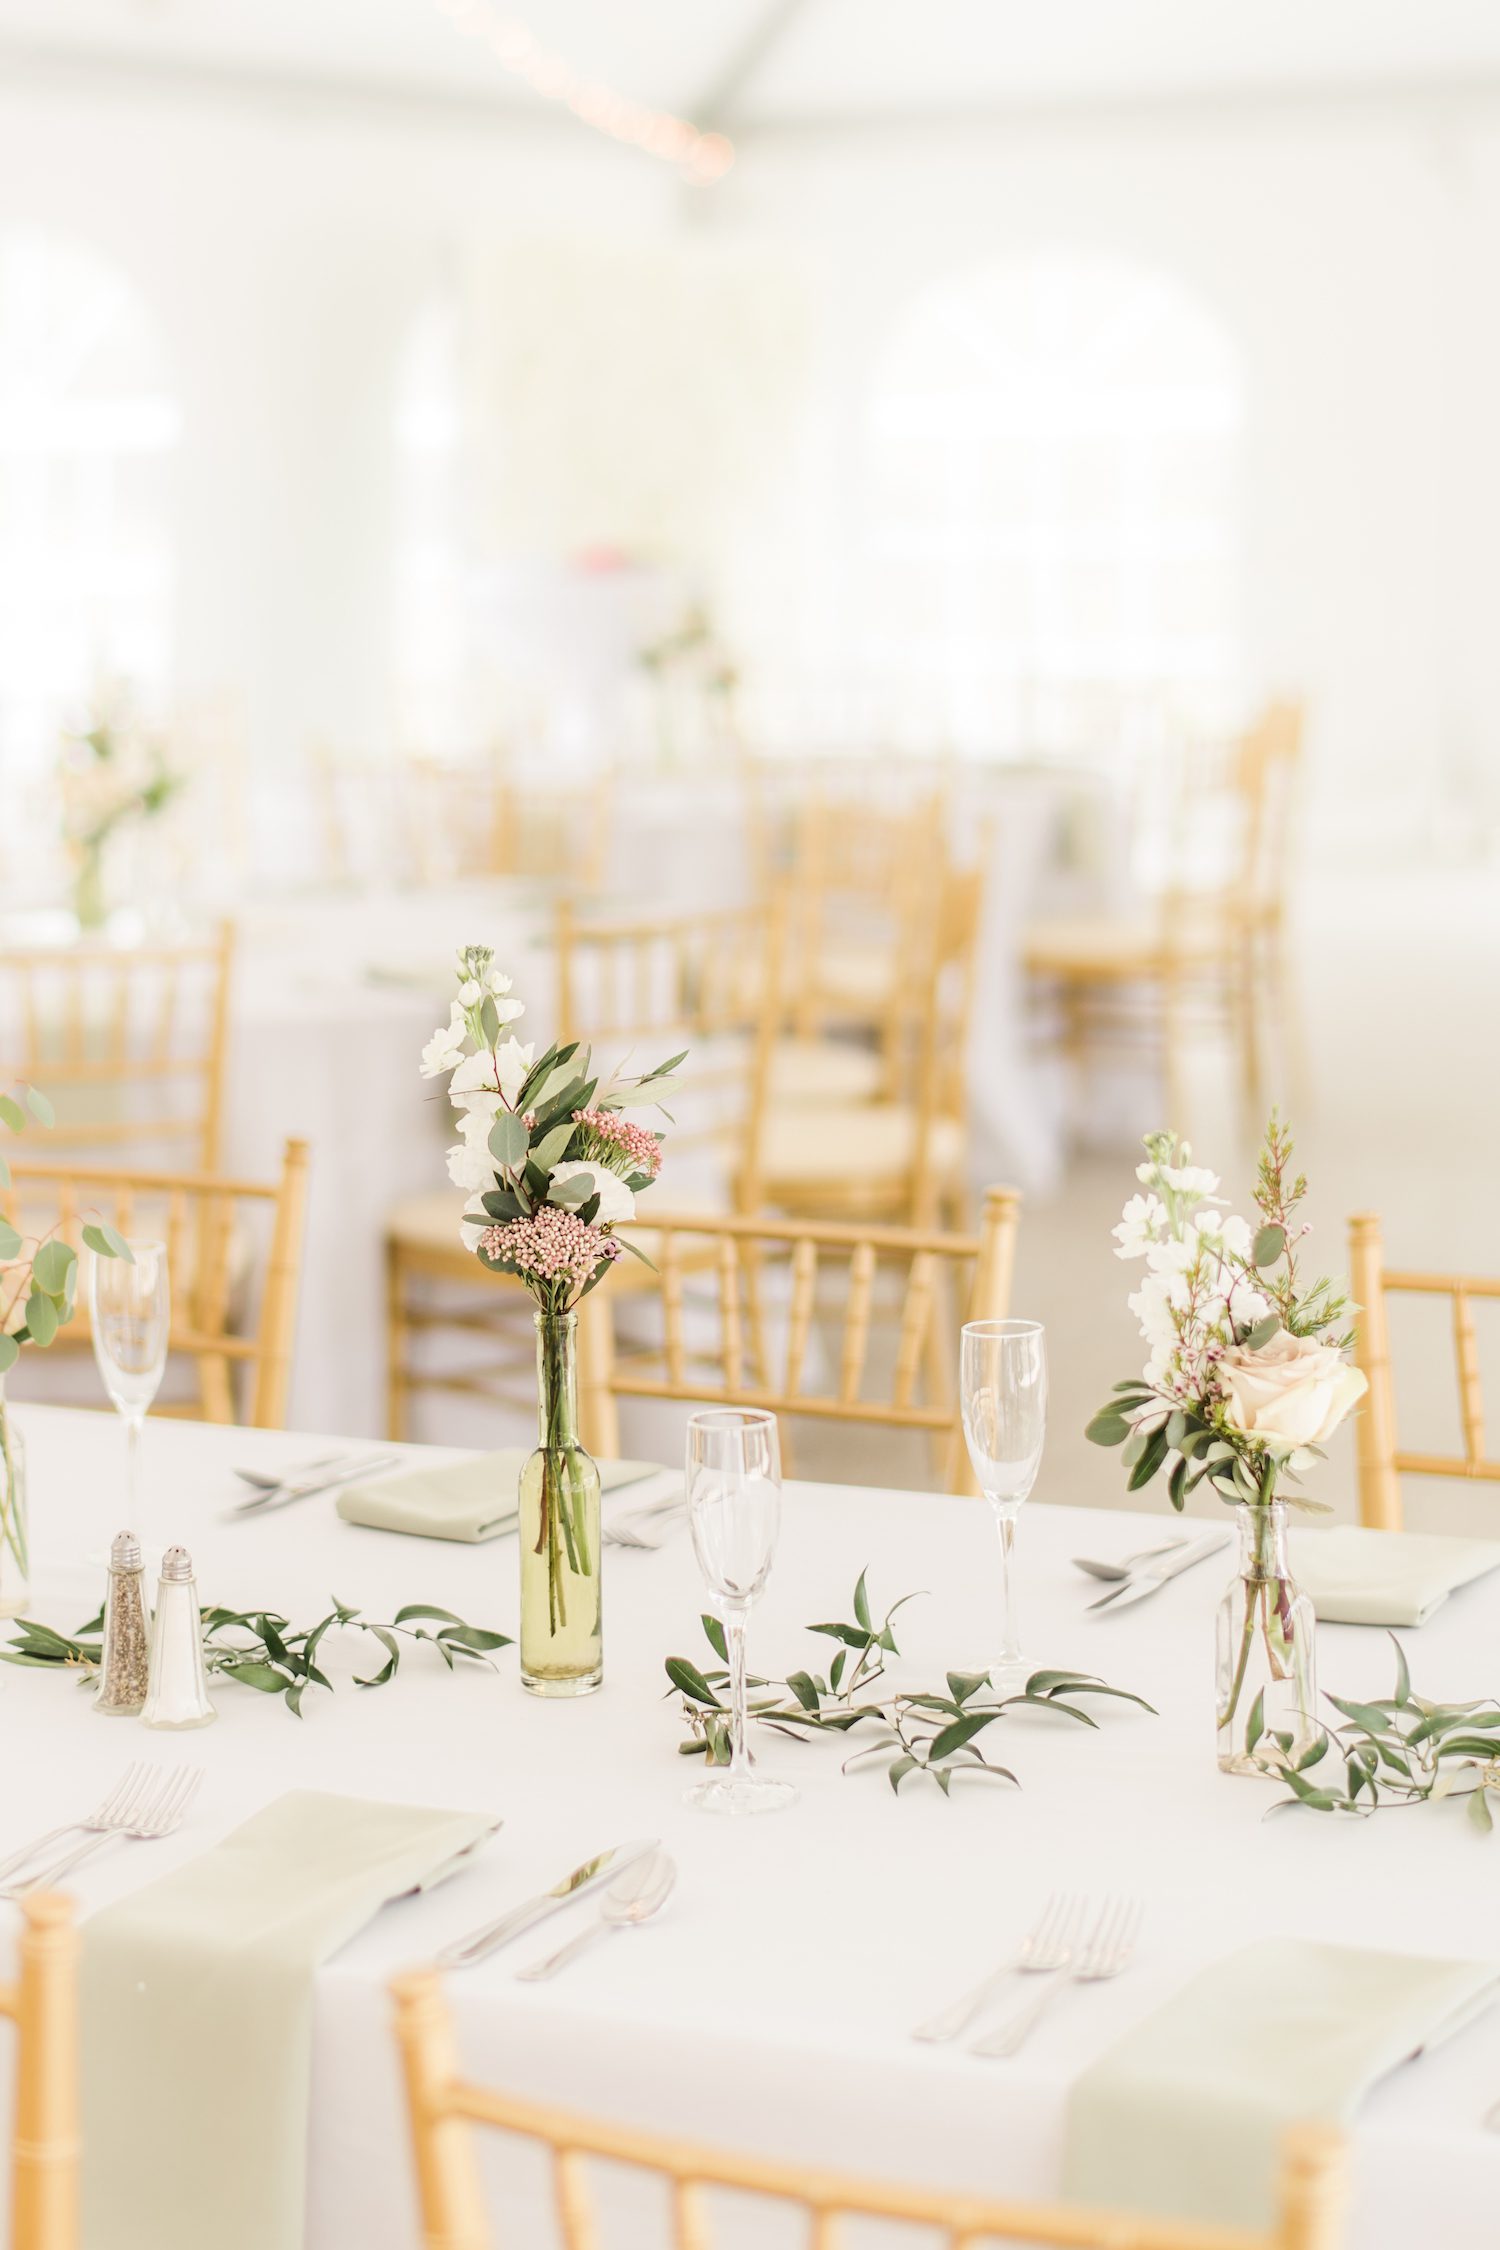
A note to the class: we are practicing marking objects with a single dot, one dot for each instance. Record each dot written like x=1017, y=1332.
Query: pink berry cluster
x=611, y=1132
x=550, y=1245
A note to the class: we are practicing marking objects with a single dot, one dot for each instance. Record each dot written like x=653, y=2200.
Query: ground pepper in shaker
x=178, y=1693
x=124, y=1668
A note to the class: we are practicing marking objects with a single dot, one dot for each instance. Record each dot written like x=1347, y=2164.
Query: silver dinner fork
x=155, y=1807
x=103, y=1815
x=1046, y=1948
x=1108, y=1948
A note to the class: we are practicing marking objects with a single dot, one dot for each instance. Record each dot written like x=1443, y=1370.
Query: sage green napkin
x=1361, y=1577
x=1185, y=2115
x=468, y=1500
x=197, y=2014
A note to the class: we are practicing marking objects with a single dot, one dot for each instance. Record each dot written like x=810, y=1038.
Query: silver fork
x=156, y=1807
x=101, y=1817
x=1107, y=1950
x=1046, y=1948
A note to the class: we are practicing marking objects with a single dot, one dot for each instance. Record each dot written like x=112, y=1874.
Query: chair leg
x=397, y=1339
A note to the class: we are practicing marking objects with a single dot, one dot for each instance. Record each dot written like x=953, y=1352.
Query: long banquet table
x=769, y=2006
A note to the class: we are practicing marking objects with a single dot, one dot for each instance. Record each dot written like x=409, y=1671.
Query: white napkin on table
x=1362, y=1577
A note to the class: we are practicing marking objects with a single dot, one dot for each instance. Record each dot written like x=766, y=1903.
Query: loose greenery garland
x=1401, y=1750
x=928, y=1733
x=259, y=1648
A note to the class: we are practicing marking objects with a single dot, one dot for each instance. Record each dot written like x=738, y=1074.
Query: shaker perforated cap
x=176, y=1566
x=125, y=1553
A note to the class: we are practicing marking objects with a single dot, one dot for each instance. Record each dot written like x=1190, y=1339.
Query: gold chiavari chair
x=42, y=2002
x=200, y=1218
x=129, y=1044
x=1382, y=1462
x=862, y=879
x=909, y=1275
x=648, y=987
x=443, y=2106
x=902, y=1157
x=1205, y=957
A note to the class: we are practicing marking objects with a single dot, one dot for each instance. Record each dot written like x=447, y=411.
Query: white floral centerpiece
x=1246, y=1379
x=552, y=1167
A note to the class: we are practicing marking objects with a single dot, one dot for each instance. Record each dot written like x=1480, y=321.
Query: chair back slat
x=1312, y=2186
x=734, y=1249
x=130, y=1045
x=1382, y=1461
x=200, y=1219
x=43, y=2004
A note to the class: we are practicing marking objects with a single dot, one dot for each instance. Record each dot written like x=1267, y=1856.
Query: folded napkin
x=1361, y=1577
x=468, y=1500
x=197, y=2012
x=1185, y=2115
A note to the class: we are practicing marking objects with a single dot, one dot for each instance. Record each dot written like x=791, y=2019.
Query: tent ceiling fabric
x=824, y=58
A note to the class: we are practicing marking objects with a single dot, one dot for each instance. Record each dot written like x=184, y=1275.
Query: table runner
x=197, y=2001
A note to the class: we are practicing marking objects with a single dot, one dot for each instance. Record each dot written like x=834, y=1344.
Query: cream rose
x=1292, y=1391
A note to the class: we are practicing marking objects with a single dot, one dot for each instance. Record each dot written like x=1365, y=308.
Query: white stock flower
x=1190, y=1179
x=616, y=1202
x=443, y=1050
x=473, y=1222
x=470, y=1164
x=1152, y=1306
x=1142, y=1215
x=482, y=1080
x=1292, y=1392
x=498, y=982
x=470, y=994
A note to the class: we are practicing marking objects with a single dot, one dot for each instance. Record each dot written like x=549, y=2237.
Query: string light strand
x=699, y=156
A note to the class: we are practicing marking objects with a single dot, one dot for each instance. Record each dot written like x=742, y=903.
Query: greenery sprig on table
x=926, y=1732
x=260, y=1648
x=1400, y=1750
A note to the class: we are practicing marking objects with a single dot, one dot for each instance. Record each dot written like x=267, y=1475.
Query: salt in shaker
x=125, y=1665
x=178, y=1693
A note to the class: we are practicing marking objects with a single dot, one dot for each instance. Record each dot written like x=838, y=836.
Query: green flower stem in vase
x=562, y=1646
x=15, y=1570
x=88, y=886
x=1267, y=1673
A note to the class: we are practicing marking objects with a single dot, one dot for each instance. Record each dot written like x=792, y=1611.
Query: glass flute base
x=740, y=1794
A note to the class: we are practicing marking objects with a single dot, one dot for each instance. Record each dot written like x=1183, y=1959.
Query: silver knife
x=465, y=1951
x=280, y=1495
x=1151, y=1581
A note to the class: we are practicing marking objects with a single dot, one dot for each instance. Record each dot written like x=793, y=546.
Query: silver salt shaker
x=178, y=1693
x=124, y=1667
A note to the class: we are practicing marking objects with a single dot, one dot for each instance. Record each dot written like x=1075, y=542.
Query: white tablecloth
x=769, y=2006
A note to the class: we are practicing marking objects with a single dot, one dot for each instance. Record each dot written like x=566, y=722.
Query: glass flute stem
x=1010, y=1646
x=734, y=1633
x=133, y=1471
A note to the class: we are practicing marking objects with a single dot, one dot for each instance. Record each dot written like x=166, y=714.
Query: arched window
x=1051, y=509
x=88, y=424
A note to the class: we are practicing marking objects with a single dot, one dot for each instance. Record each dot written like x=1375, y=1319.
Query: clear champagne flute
x=734, y=1513
x=1004, y=1395
x=130, y=1314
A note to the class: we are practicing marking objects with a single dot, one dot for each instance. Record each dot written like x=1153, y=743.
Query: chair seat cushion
x=1121, y=946
x=824, y=1070
x=846, y=1147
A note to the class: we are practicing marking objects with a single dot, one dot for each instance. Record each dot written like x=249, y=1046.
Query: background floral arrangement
x=551, y=1165
x=1247, y=1375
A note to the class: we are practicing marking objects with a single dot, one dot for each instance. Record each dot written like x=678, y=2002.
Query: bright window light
x=1052, y=527
x=88, y=427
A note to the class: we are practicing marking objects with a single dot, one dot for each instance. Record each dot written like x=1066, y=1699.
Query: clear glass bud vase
x=15, y=1562
x=562, y=1644
x=1267, y=1685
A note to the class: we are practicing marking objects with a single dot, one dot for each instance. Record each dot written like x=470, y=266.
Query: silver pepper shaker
x=124, y=1668
x=178, y=1693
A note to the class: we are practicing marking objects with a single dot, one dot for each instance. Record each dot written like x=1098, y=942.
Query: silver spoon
x=633, y=1896
x=1122, y=1569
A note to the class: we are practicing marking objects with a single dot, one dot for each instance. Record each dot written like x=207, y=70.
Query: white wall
x=285, y=249
x=1351, y=248
x=1354, y=252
